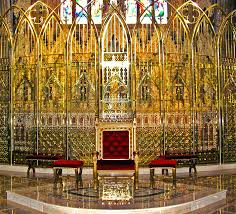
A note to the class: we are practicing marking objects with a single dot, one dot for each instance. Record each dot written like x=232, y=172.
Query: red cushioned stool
x=163, y=164
x=68, y=164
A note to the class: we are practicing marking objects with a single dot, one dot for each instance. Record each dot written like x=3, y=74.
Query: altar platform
x=191, y=194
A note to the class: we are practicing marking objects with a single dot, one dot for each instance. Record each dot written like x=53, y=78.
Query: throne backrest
x=115, y=145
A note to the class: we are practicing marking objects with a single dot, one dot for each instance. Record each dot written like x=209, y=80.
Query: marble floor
x=165, y=194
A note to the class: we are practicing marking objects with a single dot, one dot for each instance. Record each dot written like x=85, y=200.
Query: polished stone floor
x=165, y=193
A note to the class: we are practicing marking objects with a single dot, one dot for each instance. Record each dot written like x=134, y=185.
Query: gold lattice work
x=177, y=80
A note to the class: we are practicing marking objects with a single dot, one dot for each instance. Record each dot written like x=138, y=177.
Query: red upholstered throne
x=116, y=155
x=115, y=145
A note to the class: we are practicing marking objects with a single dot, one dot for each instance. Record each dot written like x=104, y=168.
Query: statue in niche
x=202, y=93
x=180, y=93
x=48, y=92
x=25, y=91
x=179, y=88
x=213, y=96
x=122, y=92
x=83, y=93
x=83, y=86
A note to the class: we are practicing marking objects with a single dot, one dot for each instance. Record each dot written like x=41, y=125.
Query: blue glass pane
x=161, y=11
x=66, y=11
x=80, y=13
x=131, y=12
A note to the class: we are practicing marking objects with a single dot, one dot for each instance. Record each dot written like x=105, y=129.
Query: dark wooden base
x=58, y=175
x=164, y=169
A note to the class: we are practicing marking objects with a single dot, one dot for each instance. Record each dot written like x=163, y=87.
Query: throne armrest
x=136, y=157
x=136, y=160
x=95, y=158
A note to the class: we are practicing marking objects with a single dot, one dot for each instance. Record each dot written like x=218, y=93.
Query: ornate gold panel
x=4, y=94
x=177, y=80
x=82, y=144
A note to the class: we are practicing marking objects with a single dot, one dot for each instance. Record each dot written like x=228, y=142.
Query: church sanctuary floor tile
x=163, y=194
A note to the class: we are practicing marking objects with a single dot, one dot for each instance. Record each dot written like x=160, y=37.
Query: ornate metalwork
x=190, y=12
x=52, y=140
x=38, y=13
x=82, y=143
x=116, y=85
x=4, y=94
x=23, y=92
x=229, y=112
x=206, y=130
x=149, y=137
x=118, y=189
x=228, y=87
x=176, y=80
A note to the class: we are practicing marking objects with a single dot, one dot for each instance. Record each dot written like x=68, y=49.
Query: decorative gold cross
x=38, y=14
x=190, y=14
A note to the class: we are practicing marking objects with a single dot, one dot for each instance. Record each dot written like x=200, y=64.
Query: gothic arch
x=205, y=73
x=83, y=62
x=5, y=91
x=147, y=64
x=115, y=58
x=24, y=82
x=51, y=80
x=226, y=43
x=56, y=81
x=177, y=85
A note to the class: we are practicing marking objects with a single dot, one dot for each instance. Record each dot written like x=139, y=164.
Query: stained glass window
x=113, y=2
x=66, y=11
x=80, y=14
x=161, y=11
x=146, y=11
x=131, y=12
x=96, y=11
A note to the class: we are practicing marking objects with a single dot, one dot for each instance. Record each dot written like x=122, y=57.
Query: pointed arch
x=6, y=39
x=6, y=32
x=170, y=80
x=177, y=81
x=23, y=81
x=226, y=43
x=52, y=83
x=107, y=38
x=147, y=85
x=25, y=38
x=83, y=60
x=205, y=73
x=5, y=91
x=115, y=62
x=53, y=23
x=83, y=47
